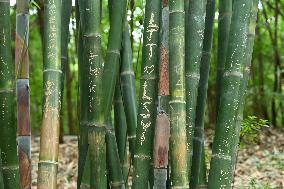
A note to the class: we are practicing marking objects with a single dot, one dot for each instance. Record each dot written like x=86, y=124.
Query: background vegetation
x=265, y=98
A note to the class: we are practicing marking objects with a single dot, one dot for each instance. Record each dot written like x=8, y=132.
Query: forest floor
x=260, y=166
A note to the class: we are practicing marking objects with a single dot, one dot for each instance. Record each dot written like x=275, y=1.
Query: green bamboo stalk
x=224, y=22
x=110, y=76
x=147, y=98
x=116, y=179
x=86, y=174
x=112, y=64
x=1, y=175
x=221, y=167
x=65, y=20
x=91, y=116
x=128, y=89
x=83, y=179
x=22, y=92
x=246, y=70
x=198, y=163
x=196, y=25
x=203, y=171
x=162, y=130
x=10, y=167
x=178, y=140
x=52, y=74
x=121, y=130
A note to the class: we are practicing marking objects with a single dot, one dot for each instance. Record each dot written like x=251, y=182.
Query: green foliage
x=251, y=127
x=254, y=184
x=33, y=3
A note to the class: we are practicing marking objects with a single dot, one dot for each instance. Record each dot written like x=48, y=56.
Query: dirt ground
x=260, y=166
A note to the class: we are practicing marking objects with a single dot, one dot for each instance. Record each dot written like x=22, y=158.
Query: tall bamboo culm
x=23, y=93
x=65, y=20
x=1, y=175
x=224, y=22
x=117, y=11
x=128, y=89
x=195, y=24
x=198, y=176
x=177, y=103
x=91, y=113
x=116, y=178
x=246, y=70
x=83, y=180
x=221, y=168
x=112, y=63
x=148, y=94
x=10, y=167
x=52, y=74
x=121, y=131
x=162, y=130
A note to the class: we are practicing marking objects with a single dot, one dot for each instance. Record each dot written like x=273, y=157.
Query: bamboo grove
x=153, y=141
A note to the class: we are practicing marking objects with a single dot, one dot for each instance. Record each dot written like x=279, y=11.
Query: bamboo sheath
x=162, y=130
x=23, y=93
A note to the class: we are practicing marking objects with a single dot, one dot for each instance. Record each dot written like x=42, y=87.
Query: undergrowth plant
x=251, y=129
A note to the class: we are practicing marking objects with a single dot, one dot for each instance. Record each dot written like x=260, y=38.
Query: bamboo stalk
x=221, y=167
x=1, y=175
x=198, y=162
x=224, y=22
x=48, y=158
x=148, y=88
x=121, y=131
x=112, y=64
x=65, y=20
x=91, y=116
x=193, y=51
x=110, y=76
x=162, y=130
x=178, y=138
x=128, y=89
x=116, y=179
x=23, y=93
x=10, y=167
x=83, y=179
x=246, y=70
